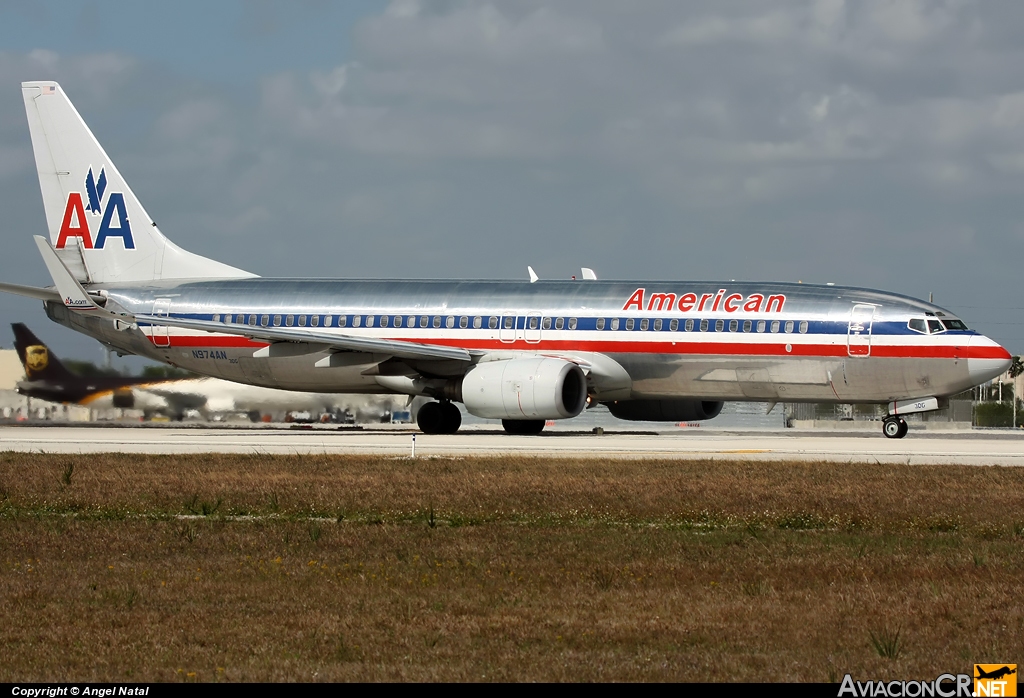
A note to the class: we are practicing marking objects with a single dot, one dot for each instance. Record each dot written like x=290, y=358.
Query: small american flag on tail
x=49, y=89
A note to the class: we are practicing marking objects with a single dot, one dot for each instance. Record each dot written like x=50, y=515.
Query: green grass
x=214, y=568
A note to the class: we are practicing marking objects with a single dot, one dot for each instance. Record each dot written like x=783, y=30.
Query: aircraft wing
x=326, y=340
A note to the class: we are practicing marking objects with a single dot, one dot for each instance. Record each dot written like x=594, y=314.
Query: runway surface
x=920, y=447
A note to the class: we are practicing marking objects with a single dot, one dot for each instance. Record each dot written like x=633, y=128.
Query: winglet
x=588, y=274
x=71, y=292
x=533, y=275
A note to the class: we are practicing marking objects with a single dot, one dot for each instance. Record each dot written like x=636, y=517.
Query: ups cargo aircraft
x=47, y=378
x=522, y=352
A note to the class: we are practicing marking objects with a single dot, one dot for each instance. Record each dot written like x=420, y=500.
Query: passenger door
x=858, y=335
x=161, y=335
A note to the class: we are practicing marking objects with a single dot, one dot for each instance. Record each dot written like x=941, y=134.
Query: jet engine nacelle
x=533, y=388
x=123, y=398
x=665, y=410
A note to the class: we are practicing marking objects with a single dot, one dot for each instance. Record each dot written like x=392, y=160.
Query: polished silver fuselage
x=830, y=343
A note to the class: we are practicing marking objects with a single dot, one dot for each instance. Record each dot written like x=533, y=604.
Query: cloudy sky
x=877, y=143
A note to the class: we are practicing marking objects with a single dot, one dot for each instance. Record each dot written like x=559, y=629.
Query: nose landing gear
x=439, y=418
x=895, y=427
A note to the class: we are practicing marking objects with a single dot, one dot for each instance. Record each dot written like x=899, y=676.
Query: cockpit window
x=917, y=325
x=953, y=324
x=934, y=326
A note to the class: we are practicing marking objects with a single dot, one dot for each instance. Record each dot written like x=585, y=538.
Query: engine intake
x=123, y=398
x=665, y=410
x=533, y=388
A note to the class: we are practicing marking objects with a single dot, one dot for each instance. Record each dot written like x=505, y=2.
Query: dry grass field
x=242, y=568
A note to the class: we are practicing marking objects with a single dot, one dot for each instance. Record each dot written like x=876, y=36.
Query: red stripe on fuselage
x=667, y=347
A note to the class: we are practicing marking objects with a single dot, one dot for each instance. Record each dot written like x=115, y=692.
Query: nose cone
x=986, y=359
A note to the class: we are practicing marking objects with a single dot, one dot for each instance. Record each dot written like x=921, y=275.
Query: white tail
x=97, y=226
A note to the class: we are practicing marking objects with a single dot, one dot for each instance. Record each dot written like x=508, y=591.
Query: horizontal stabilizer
x=43, y=294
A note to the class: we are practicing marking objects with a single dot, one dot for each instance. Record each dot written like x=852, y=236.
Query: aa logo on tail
x=77, y=225
x=995, y=680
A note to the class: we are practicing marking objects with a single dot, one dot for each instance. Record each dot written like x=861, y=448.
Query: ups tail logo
x=995, y=680
x=37, y=358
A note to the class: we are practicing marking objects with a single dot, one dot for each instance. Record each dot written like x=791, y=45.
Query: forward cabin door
x=858, y=335
x=161, y=336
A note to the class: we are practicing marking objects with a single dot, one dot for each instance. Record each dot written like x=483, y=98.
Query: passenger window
x=277, y=321
x=508, y=323
x=629, y=324
x=315, y=321
x=775, y=325
x=437, y=321
x=534, y=323
x=747, y=325
x=934, y=326
x=704, y=325
x=327, y=320
x=572, y=323
x=615, y=323
x=689, y=325
x=734, y=325
x=803, y=327
x=411, y=322
x=643, y=324
x=546, y=325
x=559, y=323
x=600, y=323
x=342, y=320
x=492, y=323
x=264, y=320
x=398, y=321
x=463, y=322
x=423, y=320
x=657, y=325
x=302, y=321
x=383, y=320
x=239, y=319
x=369, y=321
x=760, y=325
x=719, y=325
x=789, y=326
x=252, y=319
x=216, y=318
x=673, y=325
x=477, y=322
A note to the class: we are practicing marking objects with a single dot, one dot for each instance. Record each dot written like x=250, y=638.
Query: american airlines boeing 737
x=522, y=352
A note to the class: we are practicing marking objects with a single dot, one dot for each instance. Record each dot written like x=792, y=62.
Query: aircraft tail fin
x=39, y=362
x=97, y=226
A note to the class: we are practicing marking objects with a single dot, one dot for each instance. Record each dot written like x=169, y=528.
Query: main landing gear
x=439, y=418
x=895, y=427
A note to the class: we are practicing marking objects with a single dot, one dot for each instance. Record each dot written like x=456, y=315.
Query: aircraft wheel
x=452, y=418
x=430, y=418
x=526, y=427
x=892, y=428
x=904, y=428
